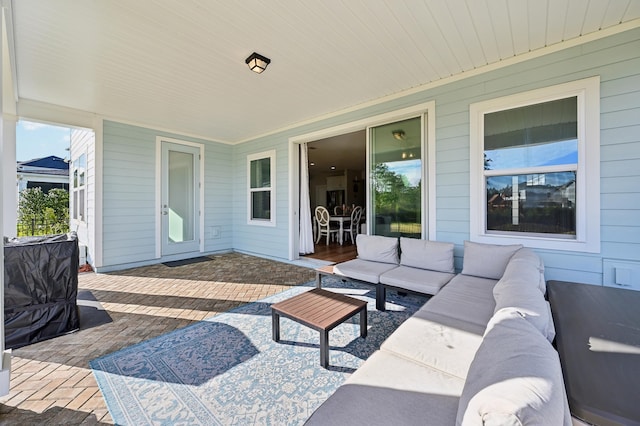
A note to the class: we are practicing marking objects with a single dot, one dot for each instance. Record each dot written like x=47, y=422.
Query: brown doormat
x=187, y=261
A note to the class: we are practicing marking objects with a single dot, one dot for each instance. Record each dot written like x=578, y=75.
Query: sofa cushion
x=392, y=390
x=424, y=254
x=487, y=260
x=439, y=341
x=515, y=378
x=377, y=248
x=527, y=266
x=415, y=279
x=363, y=270
x=466, y=298
x=527, y=300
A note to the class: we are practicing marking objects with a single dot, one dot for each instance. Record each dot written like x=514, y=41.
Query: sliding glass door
x=396, y=174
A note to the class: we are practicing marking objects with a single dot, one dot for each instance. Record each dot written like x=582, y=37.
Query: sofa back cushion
x=515, y=378
x=526, y=267
x=377, y=248
x=529, y=302
x=487, y=260
x=424, y=254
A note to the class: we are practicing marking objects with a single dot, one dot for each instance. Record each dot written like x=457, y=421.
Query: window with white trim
x=535, y=168
x=79, y=187
x=261, y=202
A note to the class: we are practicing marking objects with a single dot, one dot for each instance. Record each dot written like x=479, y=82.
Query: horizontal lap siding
x=620, y=154
x=83, y=141
x=615, y=59
x=264, y=240
x=129, y=185
x=218, y=197
x=129, y=193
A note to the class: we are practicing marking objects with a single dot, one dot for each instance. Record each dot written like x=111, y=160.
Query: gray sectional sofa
x=424, y=266
x=479, y=352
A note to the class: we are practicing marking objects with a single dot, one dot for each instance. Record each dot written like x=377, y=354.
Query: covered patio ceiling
x=180, y=65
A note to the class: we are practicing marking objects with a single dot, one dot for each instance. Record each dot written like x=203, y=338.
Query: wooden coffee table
x=320, y=310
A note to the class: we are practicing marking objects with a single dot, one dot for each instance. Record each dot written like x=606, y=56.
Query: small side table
x=321, y=310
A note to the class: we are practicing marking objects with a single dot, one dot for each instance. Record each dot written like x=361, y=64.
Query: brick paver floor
x=51, y=383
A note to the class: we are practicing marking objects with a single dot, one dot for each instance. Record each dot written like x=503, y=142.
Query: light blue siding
x=129, y=165
x=615, y=59
x=265, y=240
x=129, y=185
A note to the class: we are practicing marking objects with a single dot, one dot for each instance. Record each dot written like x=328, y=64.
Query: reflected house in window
x=538, y=203
x=541, y=196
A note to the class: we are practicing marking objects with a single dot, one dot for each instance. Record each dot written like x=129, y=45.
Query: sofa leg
x=381, y=297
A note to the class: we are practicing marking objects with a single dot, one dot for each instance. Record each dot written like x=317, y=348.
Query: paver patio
x=51, y=382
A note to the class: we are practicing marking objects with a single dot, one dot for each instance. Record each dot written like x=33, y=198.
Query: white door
x=180, y=198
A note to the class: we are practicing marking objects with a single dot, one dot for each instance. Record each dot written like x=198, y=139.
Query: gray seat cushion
x=415, y=279
x=363, y=270
x=389, y=390
x=466, y=298
x=441, y=342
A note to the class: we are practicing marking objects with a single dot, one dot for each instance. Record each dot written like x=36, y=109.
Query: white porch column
x=5, y=357
x=9, y=184
x=7, y=149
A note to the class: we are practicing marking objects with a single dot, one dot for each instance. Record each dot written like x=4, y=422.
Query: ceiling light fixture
x=257, y=63
x=398, y=135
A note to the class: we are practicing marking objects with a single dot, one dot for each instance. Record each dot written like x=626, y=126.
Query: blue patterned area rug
x=227, y=370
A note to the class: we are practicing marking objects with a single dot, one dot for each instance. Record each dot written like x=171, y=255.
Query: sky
x=412, y=169
x=535, y=155
x=37, y=140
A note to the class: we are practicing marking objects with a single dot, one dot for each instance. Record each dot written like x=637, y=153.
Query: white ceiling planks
x=179, y=66
x=574, y=24
x=556, y=22
x=537, y=15
x=483, y=27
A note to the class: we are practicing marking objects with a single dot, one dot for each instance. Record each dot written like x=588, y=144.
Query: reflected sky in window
x=537, y=155
x=412, y=169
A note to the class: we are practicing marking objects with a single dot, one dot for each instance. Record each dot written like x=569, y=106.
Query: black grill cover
x=40, y=288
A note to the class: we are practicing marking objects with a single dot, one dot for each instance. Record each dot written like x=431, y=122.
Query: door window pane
x=396, y=179
x=181, y=197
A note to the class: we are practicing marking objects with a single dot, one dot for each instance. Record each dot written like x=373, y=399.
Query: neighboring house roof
x=50, y=162
x=45, y=166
